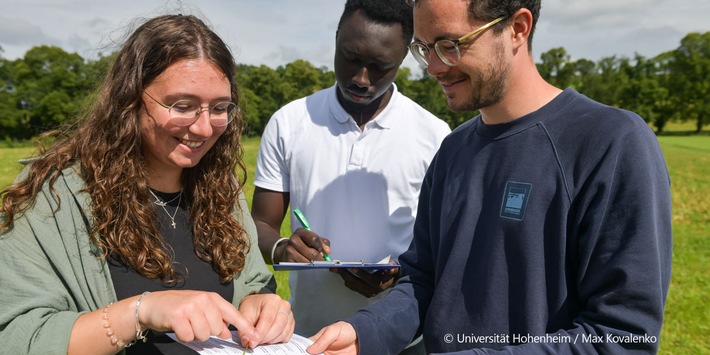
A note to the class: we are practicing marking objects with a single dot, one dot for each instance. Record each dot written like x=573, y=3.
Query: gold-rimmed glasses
x=447, y=49
x=186, y=112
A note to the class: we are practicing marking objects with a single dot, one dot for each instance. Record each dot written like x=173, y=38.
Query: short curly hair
x=384, y=12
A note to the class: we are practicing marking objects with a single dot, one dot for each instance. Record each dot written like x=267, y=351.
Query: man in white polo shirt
x=352, y=158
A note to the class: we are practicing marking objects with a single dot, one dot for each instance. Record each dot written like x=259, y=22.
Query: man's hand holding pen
x=306, y=246
x=303, y=246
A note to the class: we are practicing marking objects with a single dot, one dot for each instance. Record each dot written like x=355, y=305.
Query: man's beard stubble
x=486, y=89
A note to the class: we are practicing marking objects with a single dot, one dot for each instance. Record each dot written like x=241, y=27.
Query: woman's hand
x=195, y=315
x=271, y=316
x=192, y=315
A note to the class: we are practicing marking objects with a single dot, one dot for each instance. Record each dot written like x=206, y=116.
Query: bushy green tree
x=556, y=67
x=690, y=78
x=48, y=87
x=265, y=90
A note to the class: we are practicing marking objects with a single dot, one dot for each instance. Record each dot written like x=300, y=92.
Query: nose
x=362, y=77
x=436, y=66
x=202, y=125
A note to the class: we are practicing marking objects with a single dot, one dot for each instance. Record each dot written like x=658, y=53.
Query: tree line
x=48, y=86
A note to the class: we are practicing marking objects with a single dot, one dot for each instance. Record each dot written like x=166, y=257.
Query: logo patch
x=515, y=198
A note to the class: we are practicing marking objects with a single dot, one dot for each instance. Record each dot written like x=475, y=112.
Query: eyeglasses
x=186, y=112
x=447, y=49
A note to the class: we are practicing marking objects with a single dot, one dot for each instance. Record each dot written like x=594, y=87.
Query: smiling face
x=367, y=57
x=480, y=77
x=169, y=148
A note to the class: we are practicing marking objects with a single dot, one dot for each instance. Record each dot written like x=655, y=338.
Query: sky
x=277, y=32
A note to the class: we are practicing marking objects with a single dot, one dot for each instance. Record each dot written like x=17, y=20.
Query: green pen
x=302, y=220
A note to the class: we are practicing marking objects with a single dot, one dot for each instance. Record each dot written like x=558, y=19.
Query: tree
x=49, y=86
x=258, y=95
x=265, y=90
x=303, y=79
x=690, y=77
x=645, y=92
x=584, y=75
x=556, y=67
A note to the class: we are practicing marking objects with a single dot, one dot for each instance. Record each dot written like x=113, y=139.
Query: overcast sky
x=277, y=32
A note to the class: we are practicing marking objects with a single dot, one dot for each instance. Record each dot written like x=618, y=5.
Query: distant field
x=687, y=324
x=687, y=320
x=251, y=147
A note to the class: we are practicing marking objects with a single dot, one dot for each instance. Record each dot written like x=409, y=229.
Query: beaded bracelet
x=109, y=332
x=115, y=341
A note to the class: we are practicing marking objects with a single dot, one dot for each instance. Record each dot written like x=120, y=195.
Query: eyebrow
x=438, y=38
x=189, y=96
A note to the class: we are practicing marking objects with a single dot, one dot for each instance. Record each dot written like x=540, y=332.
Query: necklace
x=159, y=201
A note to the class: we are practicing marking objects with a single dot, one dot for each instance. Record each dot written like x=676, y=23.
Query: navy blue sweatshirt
x=550, y=234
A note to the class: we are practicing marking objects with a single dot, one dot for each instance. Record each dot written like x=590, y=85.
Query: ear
x=521, y=23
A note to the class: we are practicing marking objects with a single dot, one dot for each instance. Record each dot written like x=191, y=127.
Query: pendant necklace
x=159, y=201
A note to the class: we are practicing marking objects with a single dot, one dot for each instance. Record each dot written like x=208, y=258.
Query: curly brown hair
x=107, y=146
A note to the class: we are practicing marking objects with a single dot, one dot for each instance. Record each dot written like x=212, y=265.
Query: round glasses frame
x=186, y=112
x=446, y=49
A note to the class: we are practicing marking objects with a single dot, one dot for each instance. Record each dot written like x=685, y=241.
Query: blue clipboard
x=334, y=264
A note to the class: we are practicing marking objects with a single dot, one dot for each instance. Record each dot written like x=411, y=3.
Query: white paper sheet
x=216, y=346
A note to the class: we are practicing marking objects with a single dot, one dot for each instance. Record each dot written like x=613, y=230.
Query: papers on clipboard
x=217, y=346
x=380, y=265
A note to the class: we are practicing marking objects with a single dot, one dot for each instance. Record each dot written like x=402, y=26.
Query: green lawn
x=687, y=320
x=251, y=147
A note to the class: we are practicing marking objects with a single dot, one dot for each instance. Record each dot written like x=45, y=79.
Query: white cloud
x=17, y=31
x=276, y=32
x=604, y=28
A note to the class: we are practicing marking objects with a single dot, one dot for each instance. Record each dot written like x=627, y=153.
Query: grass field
x=687, y=318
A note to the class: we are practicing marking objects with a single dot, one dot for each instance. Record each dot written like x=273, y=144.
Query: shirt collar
x=384, y=119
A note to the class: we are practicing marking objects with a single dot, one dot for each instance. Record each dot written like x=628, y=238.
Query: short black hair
x=384, y=12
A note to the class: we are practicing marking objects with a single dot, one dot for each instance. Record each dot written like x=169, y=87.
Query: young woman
x=135, y=224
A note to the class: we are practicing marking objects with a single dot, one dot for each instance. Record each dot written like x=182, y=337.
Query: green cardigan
x=50, y=272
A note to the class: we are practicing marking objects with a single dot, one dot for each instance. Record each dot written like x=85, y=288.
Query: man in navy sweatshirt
x=544, y=224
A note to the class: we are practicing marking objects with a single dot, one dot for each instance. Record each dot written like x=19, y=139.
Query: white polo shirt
x=357, y=188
